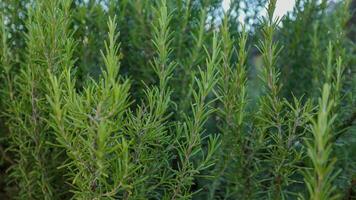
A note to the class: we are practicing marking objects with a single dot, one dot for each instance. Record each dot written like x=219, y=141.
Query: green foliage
x=319, y=182
x=28, y=111
x=141, y=99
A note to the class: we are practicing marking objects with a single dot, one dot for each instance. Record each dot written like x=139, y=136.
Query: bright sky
x=282, y=7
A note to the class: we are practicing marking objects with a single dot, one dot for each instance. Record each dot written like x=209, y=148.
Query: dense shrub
x=157, y=99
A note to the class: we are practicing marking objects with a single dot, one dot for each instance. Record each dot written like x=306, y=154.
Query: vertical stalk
x=192, y=129
x=319, y=179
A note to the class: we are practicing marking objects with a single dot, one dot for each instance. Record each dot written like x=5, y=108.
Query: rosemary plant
x=192, y=158
x=28, y=111
x=185, y=99
x=233, y=97
x=279, y=123
x=319, y=180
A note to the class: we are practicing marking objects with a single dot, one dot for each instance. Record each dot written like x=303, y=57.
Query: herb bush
x=158, y=99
